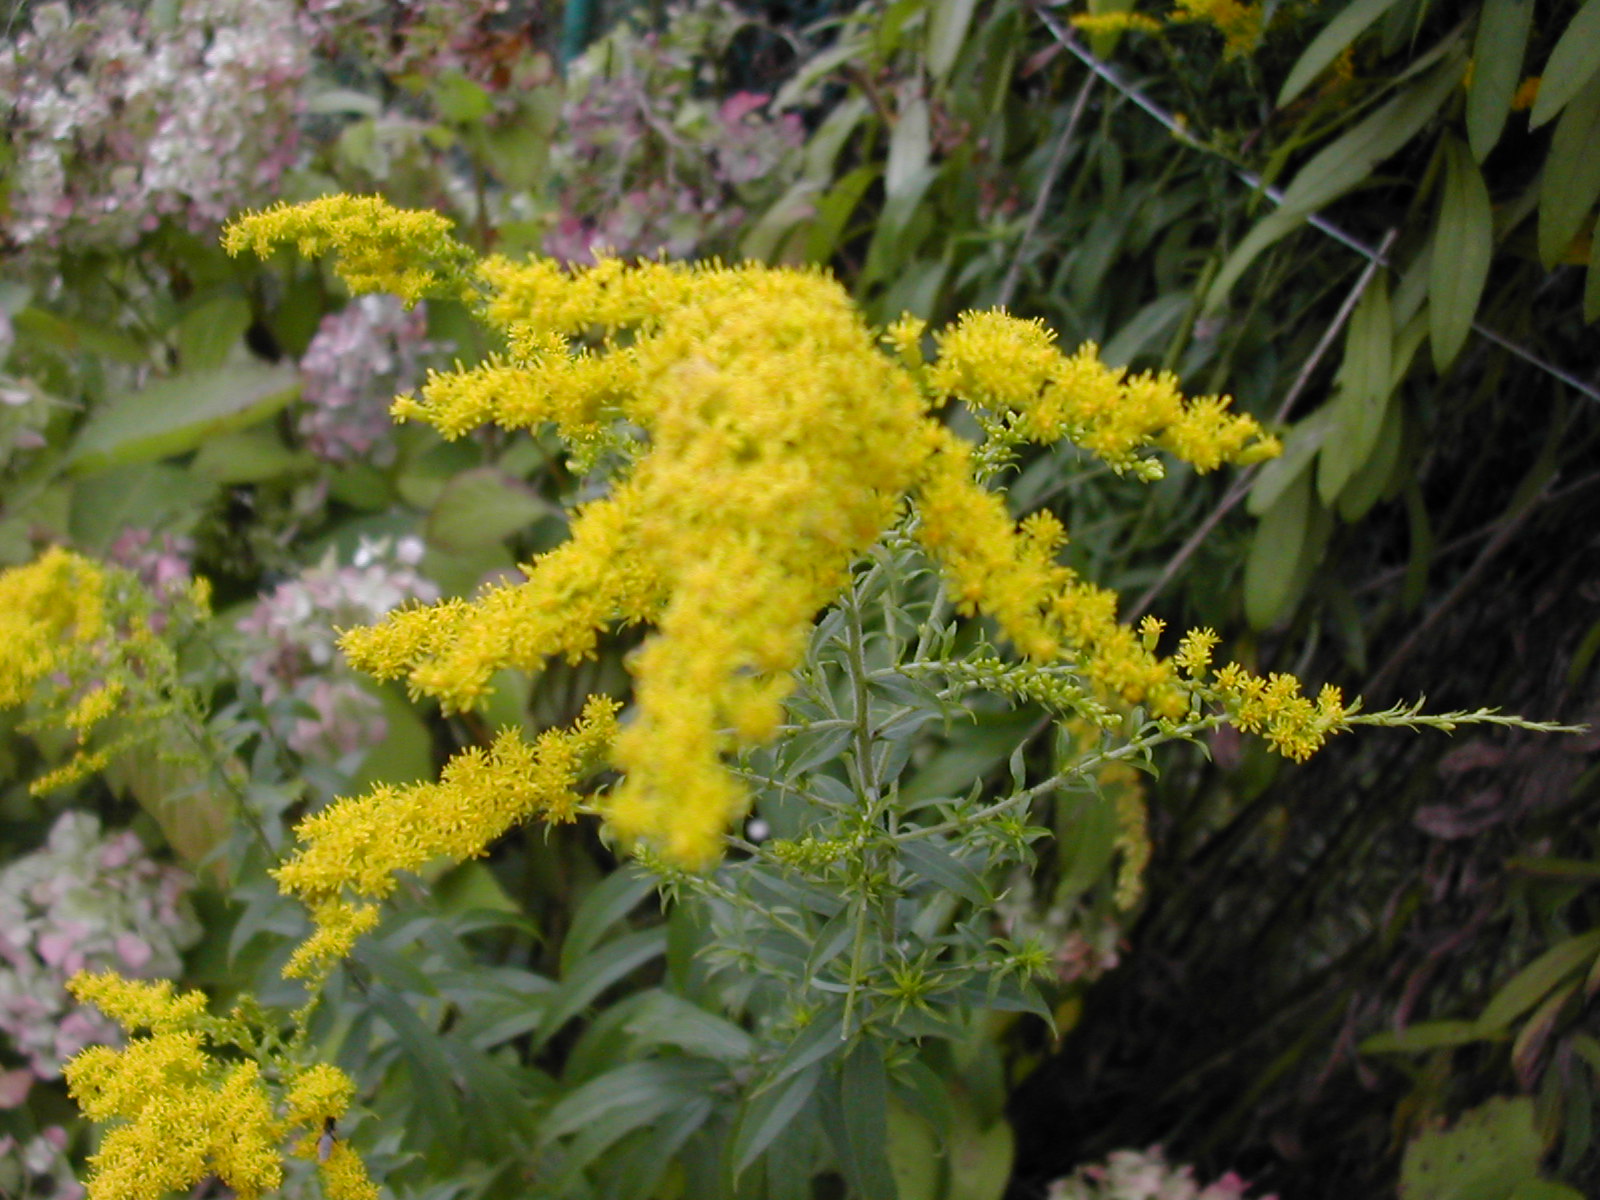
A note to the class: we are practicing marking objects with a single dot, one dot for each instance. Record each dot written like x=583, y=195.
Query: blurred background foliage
x=1370, y=221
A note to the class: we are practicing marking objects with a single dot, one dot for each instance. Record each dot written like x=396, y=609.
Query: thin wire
x=1318, y=222
x=1052, y=172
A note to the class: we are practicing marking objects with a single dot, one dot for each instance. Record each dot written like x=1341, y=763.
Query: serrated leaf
x=1531, y=984
x=177, y=415
x=1571, y=180
x=431, y=1075
x=1572, y=64
x=1271, y=568
x=1490, y=1151
x=1350, y=23
x=609, y=1107
x=1497, y=54
x=1463, y=242
x=767, y=1114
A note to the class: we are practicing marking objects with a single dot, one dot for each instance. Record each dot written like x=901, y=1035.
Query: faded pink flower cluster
x=291, y=642
x=120, y=115
x=361, y=358
x=39, y=1167
x=645, y=166
x=161, y=561
x=490, y=42
x=84, y=901
x=1132, y=1175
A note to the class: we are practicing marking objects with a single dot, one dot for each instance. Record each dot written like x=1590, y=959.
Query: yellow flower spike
x=355, y=847
x=344, y=1175
x=377, y=247
x=138, y=1004
x=317, y=1093
x=767, y=440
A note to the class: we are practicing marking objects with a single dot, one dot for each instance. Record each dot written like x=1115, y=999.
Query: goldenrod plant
x=803, y=518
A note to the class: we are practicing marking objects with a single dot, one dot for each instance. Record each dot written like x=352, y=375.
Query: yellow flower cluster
x=47, y=607
x=180, y=1115
x=1013, y=370
x=355, y=847
x=1115, y=22
x=379, y=248
x=773, y=443
x=1274, y=707
x=1241, y=24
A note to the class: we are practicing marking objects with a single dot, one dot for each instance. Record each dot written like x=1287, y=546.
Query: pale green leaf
x=178, y=414
x=1365, y=379
x=1463, y=242
x=910, y=144
x=948, y=21
x=480, y=508
x=1423, y=1037
x=209, y=330
x=1531, y=984
x=1572, y=64
x=1497, y=55
x=1571, y=181
x=1350, y=23
x=1271, y=568
x=1491, y=1150
x=1338, y=168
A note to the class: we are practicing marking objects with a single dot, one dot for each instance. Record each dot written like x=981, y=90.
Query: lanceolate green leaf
x=1462, y=243
x=1340, y=32
x=1497, y=55
x=1572, y=64
x=948, y=21
x=1365, y=379
x=1338, y=168
x=1534, y=982
x=1270, y=571
x=1571, y=174
x=766, y=1116
x=177, y=415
